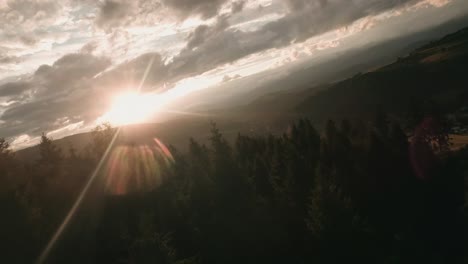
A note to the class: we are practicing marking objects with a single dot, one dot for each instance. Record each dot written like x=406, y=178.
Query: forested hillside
x=358, y=192
x=434, y=73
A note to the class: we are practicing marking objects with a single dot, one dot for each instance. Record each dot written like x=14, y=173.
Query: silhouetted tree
x=6, y=160
x=102, y=136
x=349, y=194
x=49, y=153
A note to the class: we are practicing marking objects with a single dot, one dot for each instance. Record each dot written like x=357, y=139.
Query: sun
x=130, y=108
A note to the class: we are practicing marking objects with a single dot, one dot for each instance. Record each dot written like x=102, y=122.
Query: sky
x=66, y=66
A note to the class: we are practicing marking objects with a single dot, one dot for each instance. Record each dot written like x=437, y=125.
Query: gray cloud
x=63, y=89
x=208, y=47
x=130, y=73
x=74, y=88
x=204, y=8
x=228, y=78
x=6, y=59
x=211, y=46
x=205, y=33
x=67, y=72
x=89, y=47
x=20, y=19
x=113, y=13
x=117, y=13
x=297, y=5
x=13, y=88
x=237, y=6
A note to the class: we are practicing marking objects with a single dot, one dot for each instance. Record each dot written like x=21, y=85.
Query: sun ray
x=77, y=203
x=45, y=253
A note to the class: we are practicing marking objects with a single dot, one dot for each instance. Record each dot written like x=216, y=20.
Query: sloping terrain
x=436, y=72
x=175, y=133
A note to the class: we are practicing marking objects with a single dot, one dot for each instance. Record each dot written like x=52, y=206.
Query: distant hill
x=304, y=77
x=175, y=133
x=435, y=72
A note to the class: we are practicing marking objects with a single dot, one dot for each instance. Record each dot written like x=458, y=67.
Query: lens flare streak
x=77, y=203
x=44, y=254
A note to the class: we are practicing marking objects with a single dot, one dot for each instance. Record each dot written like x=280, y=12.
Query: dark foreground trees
x=358, y=193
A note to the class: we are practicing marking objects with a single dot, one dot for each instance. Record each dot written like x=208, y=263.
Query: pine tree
x=49, y=153
x=6, y=159
x=102, y=136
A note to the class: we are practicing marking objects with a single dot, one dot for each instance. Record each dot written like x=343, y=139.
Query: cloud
x=438, y=3
x=186, y=8
x=20, y=19
x=297, y=5
x=211, y=46
x=61, y=90
x=130, y=73
x=31, y=28
x=118, y=14
x=205, y=33
x=228, y=78
x=67, y=72
x=6, y=59
x=13, y=88
x=114, y=14
x=237, y=6
x=89, y=47
x=113, y=11
x=77, y=87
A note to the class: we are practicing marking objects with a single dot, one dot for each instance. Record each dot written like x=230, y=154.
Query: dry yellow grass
x=436, y=57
